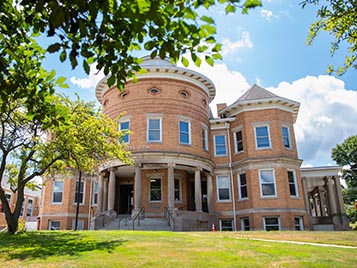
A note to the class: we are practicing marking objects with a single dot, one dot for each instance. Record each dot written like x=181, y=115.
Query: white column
x=339, y=195
x=306, y=196
x=331, y=197
x=105, y=194
x=210, y=200
x=100, y=193
x=137, y=188
x=111, y=190
x=171, y=186
x=198, y=191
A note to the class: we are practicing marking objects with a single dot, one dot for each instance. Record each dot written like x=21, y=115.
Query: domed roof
x=163, y=68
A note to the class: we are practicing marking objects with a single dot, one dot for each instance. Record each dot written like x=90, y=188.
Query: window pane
x=272, y=224
x=223, y=188
x=155, y=190
x=266, y=176
x=154, y=124
x=286, y=139
x=262, y=136
x=292, y=184
x=220, y=143
x=177, y=190
x=268, y=189
x=154, y=130
x=239, y=141
x=226, y=225
x=184, y=132
x=124, y=126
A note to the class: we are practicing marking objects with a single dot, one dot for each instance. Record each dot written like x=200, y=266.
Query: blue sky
x=268, y=47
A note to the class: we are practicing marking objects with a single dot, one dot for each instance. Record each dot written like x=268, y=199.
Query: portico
x=323, y=198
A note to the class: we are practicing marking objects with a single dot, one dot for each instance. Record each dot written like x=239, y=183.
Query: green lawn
x=167, y=249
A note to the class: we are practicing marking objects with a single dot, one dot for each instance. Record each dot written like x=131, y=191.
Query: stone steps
x=146, y=224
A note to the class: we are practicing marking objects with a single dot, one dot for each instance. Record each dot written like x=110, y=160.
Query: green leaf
x=60, y=80
x=63, y=56
x=111, y=80
x=207, y=19
x=54, y=47
x=184, y=61
x=86, y=67
x=230, y=9
x=209, y=60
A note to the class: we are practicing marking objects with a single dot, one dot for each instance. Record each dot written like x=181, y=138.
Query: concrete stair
x=146, y=224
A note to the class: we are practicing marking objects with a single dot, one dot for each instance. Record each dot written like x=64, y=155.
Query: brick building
x=30, y=207
x=238, y=170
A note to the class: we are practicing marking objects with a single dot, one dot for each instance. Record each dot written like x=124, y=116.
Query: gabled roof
x=257, y=98
x=255, y=93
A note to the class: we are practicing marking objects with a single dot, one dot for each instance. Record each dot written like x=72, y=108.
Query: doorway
x=126, y=198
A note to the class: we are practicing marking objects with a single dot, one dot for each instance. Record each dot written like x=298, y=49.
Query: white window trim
x=27, y=206
x=155, y=177
x=50, y=225
x=239, y=186
x=80, y=225
x=279, y=224
x=84, y=192
x=220, y=223
x=147, y=129
x=235, y=131
x=180, y=189
x=295, y=183
x=289, y=137
x=57, y=203
x=301, y=222
x=205, y=138
x=256, y=140
x=93, y=194
x=189, y=131
x=243, y=225
x=122, y=122
x=260, y=183
x=225, y=144
x=229, y=189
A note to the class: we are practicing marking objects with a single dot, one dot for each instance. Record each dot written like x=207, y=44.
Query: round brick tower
x=167, y=113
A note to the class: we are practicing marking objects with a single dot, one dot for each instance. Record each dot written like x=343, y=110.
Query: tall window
x=79, y=194
x=155, y=189
x=185, y=132
x=205, y=139
x=220, y=148
x=267, y=183
x=29, y=207
x=223, y=188
x=125, y=127
x=177, y=190
x=154, y=130
x=242, y=182
x=95, y=193
x=238, y=141
x=286, y=137
x=226, y=225
x=292, y=183
x=245, y=224
x=57, y=192
x=262, y=137
x=22, y=207
x=298, y=224
x=271, y=224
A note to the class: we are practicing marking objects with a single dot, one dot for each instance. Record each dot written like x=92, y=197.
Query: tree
x=27, y=152
x=339, y=18
x=106, y=33
x=345, y=155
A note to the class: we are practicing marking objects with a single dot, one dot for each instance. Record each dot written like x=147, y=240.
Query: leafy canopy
x=29, y=147
x=339, y=18
x=345, y=154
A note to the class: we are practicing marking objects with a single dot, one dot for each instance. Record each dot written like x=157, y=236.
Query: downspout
x=227, y=124
x=90, y=201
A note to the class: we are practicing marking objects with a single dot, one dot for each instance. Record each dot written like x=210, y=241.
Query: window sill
x=224, y=201
x=243, y=199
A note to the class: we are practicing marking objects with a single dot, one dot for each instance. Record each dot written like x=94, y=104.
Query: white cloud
x=268, y=14
x=89, y=82
x=229, y=47
x=327, y=115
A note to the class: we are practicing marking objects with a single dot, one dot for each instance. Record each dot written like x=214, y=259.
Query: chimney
x=220, y=107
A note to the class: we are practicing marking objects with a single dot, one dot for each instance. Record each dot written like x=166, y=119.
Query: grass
x=167, y=249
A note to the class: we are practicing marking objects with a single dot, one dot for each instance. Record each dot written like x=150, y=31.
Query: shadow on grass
x=40, y=245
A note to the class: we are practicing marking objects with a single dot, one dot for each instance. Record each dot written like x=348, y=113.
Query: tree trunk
x=12, y=223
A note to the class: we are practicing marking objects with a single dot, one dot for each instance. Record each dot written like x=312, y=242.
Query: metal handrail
x=170, y=217
x=137, y=216
x=125, y=216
